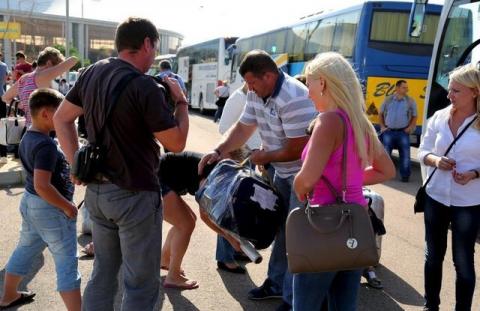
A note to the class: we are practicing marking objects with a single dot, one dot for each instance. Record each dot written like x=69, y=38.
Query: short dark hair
x=400, y=82
x=20, y=54
x=50, y=54
x=44, y=97
x=165, y=65
x=257, y=62
x=131, y=33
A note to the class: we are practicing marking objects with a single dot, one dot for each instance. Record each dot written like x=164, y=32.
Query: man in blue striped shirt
x=278, y=105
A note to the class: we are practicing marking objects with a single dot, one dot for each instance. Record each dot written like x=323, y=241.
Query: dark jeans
x=465, y=222
x=218, y=113
x=398, y=139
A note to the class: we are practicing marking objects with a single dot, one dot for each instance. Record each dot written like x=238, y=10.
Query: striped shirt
x=26, y=85
x=285, y=114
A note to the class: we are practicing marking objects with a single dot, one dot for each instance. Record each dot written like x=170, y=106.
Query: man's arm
x=236, y=138
x=291, y=151
x=175, y=138
x=64, y=121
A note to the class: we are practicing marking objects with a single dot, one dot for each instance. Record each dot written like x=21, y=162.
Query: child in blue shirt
x=48, y=213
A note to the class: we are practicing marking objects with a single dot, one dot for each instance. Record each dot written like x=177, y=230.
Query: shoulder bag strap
x=450, y=147
x=341, y=198
x=117, y=91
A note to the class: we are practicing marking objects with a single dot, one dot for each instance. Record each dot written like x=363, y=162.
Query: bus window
x=296, y=43
x=345, y=31
x=390, y=27
x=320, y=37
x=276, y=42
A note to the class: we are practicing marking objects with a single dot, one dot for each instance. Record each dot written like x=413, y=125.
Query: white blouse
x=466, y=153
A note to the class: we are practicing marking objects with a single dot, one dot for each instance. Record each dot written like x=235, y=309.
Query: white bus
x=201, y=66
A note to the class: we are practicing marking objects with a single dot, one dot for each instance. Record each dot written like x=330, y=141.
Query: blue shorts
x=44, y=225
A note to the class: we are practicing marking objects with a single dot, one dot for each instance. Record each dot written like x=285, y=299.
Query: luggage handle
x=310, y=212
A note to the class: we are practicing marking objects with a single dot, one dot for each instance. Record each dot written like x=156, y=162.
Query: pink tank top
x=26, y=85
x=333, y=172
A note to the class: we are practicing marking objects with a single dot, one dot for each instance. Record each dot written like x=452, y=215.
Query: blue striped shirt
x=285, y=114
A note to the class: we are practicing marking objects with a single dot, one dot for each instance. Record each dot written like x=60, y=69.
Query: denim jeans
x=341, y=288
x=127, y=229
x=401, y=141
x=278, y=265
x=225, y=252
x=44, y=225
x=465, y=223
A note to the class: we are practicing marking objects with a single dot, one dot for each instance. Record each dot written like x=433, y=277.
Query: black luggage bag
x=240, y=201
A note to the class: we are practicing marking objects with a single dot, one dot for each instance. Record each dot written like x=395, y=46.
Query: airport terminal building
x=29, y=27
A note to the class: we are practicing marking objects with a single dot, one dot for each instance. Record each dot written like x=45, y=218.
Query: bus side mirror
x=417, y=17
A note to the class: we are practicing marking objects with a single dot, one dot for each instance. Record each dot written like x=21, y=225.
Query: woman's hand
x=300, y=191
x=463, y=178
x=445, y=164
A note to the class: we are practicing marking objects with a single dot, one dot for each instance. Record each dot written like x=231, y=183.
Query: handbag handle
x=340, y=198
x=450, y=147
x=310, y=212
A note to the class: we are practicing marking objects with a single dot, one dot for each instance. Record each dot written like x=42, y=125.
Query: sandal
x=25, y=297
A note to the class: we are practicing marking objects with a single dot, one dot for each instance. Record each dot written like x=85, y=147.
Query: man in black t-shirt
x=125, y=204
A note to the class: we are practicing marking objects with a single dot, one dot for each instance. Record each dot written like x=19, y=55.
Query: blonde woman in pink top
x=50, y=64
x=337, y=95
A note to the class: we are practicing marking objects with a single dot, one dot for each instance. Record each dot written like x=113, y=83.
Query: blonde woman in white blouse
x=454, y=190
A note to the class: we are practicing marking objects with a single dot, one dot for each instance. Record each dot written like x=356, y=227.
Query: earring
x=321, y=93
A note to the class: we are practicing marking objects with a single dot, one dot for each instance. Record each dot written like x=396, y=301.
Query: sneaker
x=3, y=160
x=266, y=291
x=372, y=279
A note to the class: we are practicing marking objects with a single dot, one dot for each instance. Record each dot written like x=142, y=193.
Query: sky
x=200, y=20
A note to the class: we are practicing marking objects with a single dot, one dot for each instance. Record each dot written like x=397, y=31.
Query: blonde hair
x=343, y=86
x=469, y=76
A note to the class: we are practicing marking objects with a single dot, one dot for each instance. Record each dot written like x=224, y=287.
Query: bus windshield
x=463, y=28
x=459, y=43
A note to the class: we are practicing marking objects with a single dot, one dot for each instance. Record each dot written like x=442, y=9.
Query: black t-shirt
x=132, y=151
x=39, y=151
x=179, y=171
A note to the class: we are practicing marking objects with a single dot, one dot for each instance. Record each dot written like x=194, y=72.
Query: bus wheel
x=200, y=105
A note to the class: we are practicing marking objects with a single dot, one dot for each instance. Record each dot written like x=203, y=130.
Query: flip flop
x=25, y=297
x=181, y=287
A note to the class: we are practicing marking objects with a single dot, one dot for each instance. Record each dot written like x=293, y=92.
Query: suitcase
x=238, y=200
x=377, y=207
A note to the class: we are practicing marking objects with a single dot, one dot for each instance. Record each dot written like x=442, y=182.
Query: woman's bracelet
x=477, y=175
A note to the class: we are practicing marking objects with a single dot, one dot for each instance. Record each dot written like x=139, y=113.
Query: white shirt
x=466, y=153
x=231, y=113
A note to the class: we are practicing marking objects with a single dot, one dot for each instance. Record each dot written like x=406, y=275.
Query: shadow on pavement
x=38, y=263
x=178, y=301
x=395, y=291
x=238, y=285
x=12, y=191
